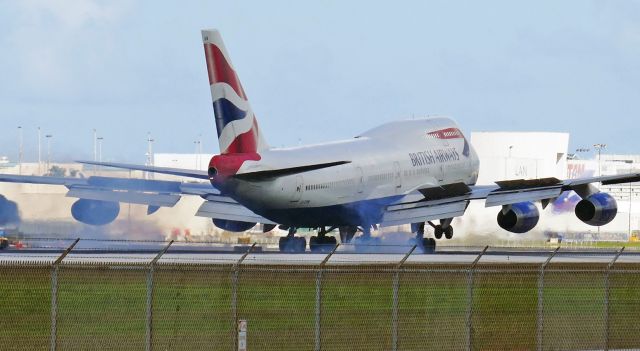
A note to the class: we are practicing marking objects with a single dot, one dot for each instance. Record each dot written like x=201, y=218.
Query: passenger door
x=397, y=177
x=297, y=189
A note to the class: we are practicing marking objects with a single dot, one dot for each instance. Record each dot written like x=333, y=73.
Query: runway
x=346, y=254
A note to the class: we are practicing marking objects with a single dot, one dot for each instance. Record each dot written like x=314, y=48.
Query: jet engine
x=233, y=226
x=95, y=212
x=9, y=213
x=520, y=218
x=597, y=209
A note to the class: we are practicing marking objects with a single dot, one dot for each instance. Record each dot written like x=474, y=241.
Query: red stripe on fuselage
x=219, y=69
x=228, y=165
x=449, y=133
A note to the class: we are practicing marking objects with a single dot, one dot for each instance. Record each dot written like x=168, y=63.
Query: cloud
x=73, y=14
x=48, y=40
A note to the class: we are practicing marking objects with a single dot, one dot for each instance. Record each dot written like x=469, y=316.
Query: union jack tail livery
x=237, y=126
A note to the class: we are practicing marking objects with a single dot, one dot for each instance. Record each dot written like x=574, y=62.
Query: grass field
x=105, y=308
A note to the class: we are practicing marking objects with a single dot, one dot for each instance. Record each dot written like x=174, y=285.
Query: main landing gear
x=292, y=243
x=296, y=244
x=429, y=244
x=322, y=242
x=444, y=228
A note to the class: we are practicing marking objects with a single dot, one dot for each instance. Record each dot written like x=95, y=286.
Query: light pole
x=197, y=144
x=506, y=162
x=20, y=150
x=149, y=153
x=630, y=163
x=48, y=136
x=199, y=151
x=100, y=139
x=39, y=151
x=599, y=148
x=630, y=169
x=95, y=148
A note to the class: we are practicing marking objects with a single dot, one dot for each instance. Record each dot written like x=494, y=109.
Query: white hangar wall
x=520, y=155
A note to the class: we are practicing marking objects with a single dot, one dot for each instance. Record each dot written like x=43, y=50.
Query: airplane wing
x=451, y=200
x=153, y=193
x=153, y=169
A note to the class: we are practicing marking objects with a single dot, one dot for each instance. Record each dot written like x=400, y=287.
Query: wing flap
x=232, y=211
x=500, y=198
x=422, y=212
x=133, y=197
x=445, y=191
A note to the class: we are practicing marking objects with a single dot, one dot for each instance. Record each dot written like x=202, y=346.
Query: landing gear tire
x=438, y=231
x=429, y=245
x=322, y=244
x=292, y=244
x=448, y=232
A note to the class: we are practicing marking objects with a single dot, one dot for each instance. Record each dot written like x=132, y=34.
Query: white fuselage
x=387, y=162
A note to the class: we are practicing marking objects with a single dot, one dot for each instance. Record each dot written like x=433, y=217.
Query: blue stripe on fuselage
x=365, y=212
x=226, y=112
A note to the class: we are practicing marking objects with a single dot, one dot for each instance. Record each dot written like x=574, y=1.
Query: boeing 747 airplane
x=419, y=172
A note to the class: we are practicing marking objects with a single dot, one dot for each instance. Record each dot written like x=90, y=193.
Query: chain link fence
x=159, y=305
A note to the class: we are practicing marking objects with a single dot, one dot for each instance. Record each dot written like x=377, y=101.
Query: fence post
x=540, y=323
x=470, y=297
x=149, y=324
x=606, y=298
x=318, y=326
x=54, y=295
x=234, y=293
x=396, y=292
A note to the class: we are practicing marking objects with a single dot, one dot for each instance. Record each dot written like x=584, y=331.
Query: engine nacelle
x=9, y=213
x=95, y=212
x=521, y=218
x=233, y=226
x=597, y=209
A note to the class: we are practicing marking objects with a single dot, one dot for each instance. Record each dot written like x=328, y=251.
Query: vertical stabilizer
x=237, y=126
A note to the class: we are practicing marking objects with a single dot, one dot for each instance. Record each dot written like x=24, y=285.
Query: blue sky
x=315, y=71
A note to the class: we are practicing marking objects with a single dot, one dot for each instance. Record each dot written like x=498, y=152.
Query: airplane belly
x=356, y=213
